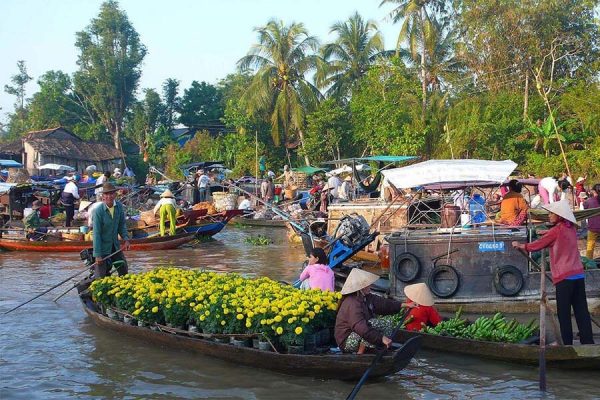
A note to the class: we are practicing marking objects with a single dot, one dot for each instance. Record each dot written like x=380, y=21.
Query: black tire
x=407, y=267
x=508, y=280
x=443, y=281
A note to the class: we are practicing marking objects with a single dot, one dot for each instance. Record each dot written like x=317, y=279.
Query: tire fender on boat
x=508, y=270
x=407, y=267
x=449, y=274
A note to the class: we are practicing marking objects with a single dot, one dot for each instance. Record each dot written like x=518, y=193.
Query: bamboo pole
x=542, y=353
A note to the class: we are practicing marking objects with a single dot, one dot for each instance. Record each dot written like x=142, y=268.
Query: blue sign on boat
x=491, y=246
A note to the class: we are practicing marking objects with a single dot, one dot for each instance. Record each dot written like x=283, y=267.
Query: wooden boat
x=324, y=366
x=207, y=225
x=572, y=357
x=275, y=223
x=153, y=243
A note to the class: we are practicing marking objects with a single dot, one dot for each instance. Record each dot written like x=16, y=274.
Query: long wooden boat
x=205, y=226
x=324, y=366
x=153, y=243
x=568, y=357
x=275, y=223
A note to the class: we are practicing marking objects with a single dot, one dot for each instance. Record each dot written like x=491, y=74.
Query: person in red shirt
x=567, y=271
x=45, y=211
x=420, y=301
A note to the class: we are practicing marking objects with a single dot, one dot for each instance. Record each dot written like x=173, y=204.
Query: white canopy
x=444, y=171
x=56, y=167
x=345, y=169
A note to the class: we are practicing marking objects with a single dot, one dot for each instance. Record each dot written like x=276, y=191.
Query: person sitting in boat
x=513, y=209
x=568, y=275
x=421, y=312
x=167, y=207
x=345, y=192
x=355, y=325
x=246, y=205
x=32, y=223
x=317, y=274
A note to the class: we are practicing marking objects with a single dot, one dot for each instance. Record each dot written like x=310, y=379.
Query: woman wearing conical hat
x=568, y=275
x=355, y=321
x=167, y=208
x=422, y=313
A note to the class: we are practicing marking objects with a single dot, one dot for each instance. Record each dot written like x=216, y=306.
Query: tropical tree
x=416, y=26
x=172, y=102
x=17, y=123
x=201, y=105
x=348, y=58
x=283, y=56
x=109, y=66
x=145, y=121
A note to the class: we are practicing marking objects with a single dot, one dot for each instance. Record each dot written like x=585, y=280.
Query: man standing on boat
x=68, y=196
x=203, y=181
x=108, y=222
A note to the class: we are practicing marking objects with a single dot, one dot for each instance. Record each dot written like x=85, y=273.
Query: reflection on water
x=53, y=351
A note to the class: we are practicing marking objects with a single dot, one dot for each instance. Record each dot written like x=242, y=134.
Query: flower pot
x=265, y=346
x=110, y=313
x=193, y=328
x=154, y=328
x=324, y=337
x=310, y=343
x=255, y=342
x=222, y=340
x=294, y=349
x=129, y=320
x=142, y=323
x=240, y=342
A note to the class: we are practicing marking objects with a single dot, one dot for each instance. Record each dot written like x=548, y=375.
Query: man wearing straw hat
x=108, y=222
x=568, y=275
x=167, y=207
x=355, y=325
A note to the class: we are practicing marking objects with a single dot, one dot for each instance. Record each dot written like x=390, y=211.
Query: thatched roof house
x=61, y=146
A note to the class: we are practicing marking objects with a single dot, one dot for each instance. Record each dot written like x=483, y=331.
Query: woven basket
x=72, y=236
x=148, y=217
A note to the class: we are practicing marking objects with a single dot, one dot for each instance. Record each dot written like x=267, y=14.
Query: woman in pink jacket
x=318, y=273
x=568, y=275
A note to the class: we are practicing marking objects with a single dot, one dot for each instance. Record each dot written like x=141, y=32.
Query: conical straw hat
x=561, y=208
x=358, y=279
x=84, y=204
x=167, y=193
x=420, y=294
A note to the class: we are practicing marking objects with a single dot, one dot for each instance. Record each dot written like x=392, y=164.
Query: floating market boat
x=572, y=357
x=327, y=366
x=205, y=226
x=153, y=243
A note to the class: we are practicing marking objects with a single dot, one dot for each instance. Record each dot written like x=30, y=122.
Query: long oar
x=59, y=284
x=378, y=357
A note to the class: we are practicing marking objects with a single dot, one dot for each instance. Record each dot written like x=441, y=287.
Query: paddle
x=59, y=284
x=378, y=357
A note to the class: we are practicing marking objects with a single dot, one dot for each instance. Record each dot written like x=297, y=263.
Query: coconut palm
x=282, y=58
x=358, y=44
x=416, y=25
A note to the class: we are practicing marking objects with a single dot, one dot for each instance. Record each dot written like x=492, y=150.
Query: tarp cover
x=10, y=164
x=56, y=167
x=438, y=171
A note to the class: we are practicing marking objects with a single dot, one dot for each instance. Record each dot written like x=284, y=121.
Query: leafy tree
x=109, y=66
x=144, y=121
x=328, y=133
x=348, y=58
x=201, y=105
x=172, y=102
x=17, y=123
x=385, y=111
x=283, y=56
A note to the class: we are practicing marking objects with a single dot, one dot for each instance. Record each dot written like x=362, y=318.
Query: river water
x=53, y=351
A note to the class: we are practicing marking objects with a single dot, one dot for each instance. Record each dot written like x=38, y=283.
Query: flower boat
x=179, y=298
x=153, y=243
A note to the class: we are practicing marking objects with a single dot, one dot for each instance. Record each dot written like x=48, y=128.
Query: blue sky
x=186, y=40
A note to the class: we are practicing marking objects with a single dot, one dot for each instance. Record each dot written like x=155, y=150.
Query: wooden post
x=542, y=357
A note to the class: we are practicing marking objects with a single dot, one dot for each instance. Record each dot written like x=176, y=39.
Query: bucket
x=465, y=220
x=450, y=216
x=84, y=229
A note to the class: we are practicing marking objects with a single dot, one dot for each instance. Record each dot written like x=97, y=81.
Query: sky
x=186, y=40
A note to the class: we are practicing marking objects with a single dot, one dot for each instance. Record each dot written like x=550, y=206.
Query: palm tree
x=416, y=26
x=357, y=46
x=283, y=56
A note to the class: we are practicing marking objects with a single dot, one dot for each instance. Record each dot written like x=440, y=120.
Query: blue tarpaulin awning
x=10, y=164
x=389, y=159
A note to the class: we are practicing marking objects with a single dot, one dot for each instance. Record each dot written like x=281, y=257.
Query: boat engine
x=352, y=229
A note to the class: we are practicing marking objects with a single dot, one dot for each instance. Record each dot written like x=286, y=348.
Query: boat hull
x=344, y=367
x=154, y=243
x=568, y=357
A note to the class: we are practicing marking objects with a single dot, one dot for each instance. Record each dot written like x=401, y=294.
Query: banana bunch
x=494, y=329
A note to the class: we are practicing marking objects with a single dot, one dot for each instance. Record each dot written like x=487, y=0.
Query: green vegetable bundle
x=494, y=329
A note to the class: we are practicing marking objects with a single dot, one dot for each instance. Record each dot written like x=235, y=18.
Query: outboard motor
x=352, y=230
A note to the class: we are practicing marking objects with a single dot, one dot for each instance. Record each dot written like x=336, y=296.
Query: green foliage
x=201, y=105
x=259, y=240
x=328, y=133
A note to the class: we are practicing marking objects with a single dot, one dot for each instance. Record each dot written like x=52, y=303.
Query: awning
x=56, y=167
x=10, y=164
x=390, y=159
x=449, y=171
x=346, y=169
x=307, y=169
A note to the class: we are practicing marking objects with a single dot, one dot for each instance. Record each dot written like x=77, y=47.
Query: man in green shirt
x=32, y=223
x=108, y=222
